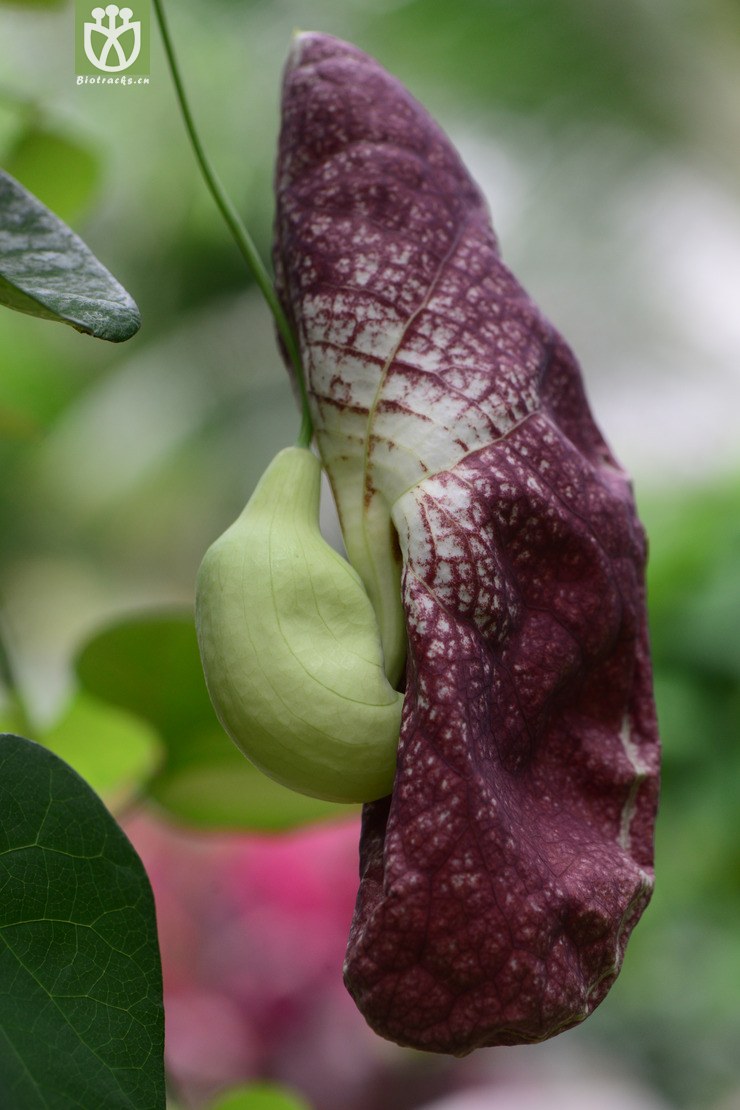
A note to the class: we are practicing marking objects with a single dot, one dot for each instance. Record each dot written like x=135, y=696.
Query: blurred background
x=607, y=139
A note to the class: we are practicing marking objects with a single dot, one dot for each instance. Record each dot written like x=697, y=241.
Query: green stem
x=241, y=236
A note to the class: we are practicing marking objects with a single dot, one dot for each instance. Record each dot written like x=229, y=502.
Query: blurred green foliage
x=568, y=60
x=120, y=466
x=150, y=666
x=59, y=169
x=260, y=1096
x=677, y=999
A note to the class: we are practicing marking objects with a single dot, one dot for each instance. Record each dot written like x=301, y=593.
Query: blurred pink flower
x=252, y=933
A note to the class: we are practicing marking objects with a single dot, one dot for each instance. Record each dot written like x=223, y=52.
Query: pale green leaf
x=47, y=271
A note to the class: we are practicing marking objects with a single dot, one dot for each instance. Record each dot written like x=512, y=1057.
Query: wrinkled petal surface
x=501, y=880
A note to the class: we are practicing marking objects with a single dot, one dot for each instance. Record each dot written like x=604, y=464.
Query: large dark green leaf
x=47, y=271
x=81, y=1014
x=150, y=666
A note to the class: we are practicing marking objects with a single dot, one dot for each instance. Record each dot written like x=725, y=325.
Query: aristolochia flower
x=499, y=544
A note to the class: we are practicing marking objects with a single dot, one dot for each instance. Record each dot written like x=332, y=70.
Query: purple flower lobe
x=498, y=540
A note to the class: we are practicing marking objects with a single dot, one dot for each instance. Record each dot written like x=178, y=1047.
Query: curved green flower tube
x=291, y=648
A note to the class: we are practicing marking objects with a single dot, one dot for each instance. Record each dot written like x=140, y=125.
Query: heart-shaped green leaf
x=150, y=666
x=80, y=979
x=47, y=271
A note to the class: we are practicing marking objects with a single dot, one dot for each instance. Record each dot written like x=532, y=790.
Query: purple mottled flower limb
x=499, y=542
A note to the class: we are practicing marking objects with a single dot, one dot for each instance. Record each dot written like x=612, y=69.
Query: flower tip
x=310, y=47
x=300, y=44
